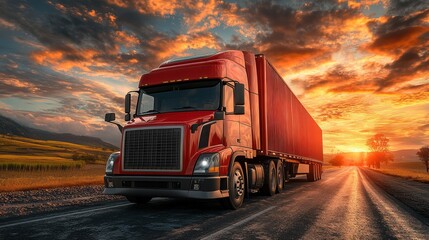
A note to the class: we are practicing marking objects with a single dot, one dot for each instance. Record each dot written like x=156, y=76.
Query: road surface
x=345, y=204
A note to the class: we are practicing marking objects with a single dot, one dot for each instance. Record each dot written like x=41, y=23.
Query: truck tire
x=316, y=172
x=280, y=176
x=270, y=180
x=311, y=175
x=236, y=187
x=319, y=171
x=138, y=200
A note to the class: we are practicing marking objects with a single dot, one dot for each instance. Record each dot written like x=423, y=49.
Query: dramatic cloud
x=360, y=67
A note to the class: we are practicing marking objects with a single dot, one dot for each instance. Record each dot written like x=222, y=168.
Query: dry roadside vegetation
x=409, y=170
x=34, y=164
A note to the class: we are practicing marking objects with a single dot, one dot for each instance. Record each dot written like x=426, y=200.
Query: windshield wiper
x=186, y=107
x=151, y=111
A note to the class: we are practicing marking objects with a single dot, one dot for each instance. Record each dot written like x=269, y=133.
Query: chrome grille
x=153, y=149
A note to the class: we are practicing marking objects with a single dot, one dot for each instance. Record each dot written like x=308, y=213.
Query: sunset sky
x=359, y=67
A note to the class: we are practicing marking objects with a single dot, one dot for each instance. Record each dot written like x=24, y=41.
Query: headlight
x=111, y=162
x=207, y=163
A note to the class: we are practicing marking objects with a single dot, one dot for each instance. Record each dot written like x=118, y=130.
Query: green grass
x=14, y=144
x=37, y=163
x=90, y=174
x=33, y=164
x=18, y=148
x=409, y=170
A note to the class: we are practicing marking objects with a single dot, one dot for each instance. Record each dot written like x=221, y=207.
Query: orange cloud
x=398, y=41
x=287, y=58
x=92, y=13
x=59, y=61
x=6, y=24
x=12, y=85
x=47, y=56
x=127, y=39
x=363, y=3
x=16, y=82
x=412, y=98
x=165, y=48
x=155, y=7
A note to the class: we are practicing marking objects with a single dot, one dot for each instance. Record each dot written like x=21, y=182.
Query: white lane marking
x=63, y=215
x=220, y=232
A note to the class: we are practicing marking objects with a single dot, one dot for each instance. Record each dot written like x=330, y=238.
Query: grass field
x=410, y=170
x=90, y=174
x=33, y=164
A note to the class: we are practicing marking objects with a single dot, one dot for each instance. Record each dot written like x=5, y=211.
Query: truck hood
x=173, y=118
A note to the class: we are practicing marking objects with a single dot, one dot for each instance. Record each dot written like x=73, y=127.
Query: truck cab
x=190, y=118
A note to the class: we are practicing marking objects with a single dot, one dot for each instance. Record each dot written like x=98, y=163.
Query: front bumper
x=181, y=187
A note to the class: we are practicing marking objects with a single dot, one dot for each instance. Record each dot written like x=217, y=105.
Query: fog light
x=109, y=183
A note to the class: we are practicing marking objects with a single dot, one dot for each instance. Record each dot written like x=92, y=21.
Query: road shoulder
x=414, y=195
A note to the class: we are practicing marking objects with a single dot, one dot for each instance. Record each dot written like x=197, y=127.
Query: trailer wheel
x=236, y=188
x=318, y=171
x=138, y=200
x=311, y=175
x=280, y=176
x=270, y=181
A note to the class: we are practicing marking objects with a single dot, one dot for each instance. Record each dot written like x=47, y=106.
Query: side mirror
x=239, y=99
x=239, y=94
x=128, y=103
x=109, y=117
x=239, y=109
x=219, y=115
x=127, y=107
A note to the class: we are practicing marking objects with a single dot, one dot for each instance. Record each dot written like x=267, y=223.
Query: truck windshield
x=185, y=96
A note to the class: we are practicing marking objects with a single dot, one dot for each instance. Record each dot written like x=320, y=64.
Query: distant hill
x=10, y=127
x=404, y=155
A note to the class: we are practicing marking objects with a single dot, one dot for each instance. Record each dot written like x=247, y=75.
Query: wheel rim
x=238, y=183
x=279, y=176
x=273, y=179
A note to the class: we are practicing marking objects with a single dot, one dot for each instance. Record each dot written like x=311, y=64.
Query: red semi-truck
x=218, y=126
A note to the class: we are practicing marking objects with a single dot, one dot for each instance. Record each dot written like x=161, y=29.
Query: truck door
x=237, y=130
x=245, y=123
x=232, y=122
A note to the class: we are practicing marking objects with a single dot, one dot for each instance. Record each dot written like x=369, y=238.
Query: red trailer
x=219, y=126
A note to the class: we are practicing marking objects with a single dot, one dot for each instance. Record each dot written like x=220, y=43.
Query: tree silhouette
x=379, y=150
x=423, y=154
x=337, y=160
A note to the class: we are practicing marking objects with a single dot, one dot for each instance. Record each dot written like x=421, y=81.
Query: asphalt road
x=345, y=204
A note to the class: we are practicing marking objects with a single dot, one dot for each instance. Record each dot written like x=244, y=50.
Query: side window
x=228, y=98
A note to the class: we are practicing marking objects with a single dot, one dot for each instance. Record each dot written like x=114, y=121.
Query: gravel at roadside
x=22, y=203
x=413, y=194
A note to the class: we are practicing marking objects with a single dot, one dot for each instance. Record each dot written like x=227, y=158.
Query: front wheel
x=236, y=187
x=138, y=200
